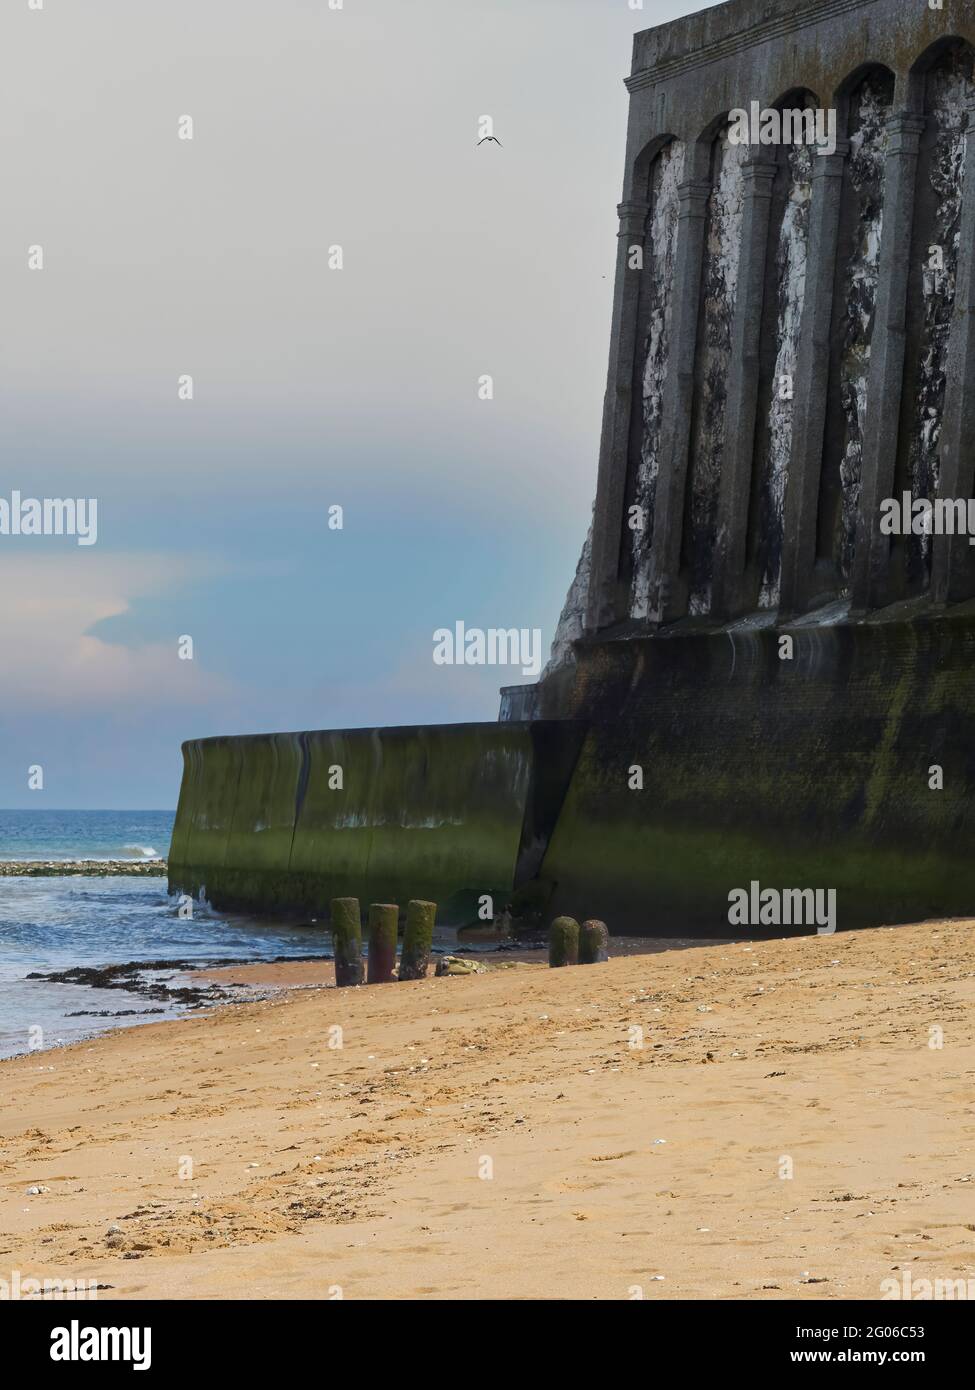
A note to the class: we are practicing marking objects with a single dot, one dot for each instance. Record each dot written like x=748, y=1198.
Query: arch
x=796, y=96
x=936, y=52
x=644, y=162
x=928, y=62
x=714, y=128
x=876, y=75
x=859, y=75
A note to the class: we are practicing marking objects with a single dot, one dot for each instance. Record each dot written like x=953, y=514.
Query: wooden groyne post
x=593, y=942
x=347, y=941
x=417, y=939
x=383, y=925
x=563, y=942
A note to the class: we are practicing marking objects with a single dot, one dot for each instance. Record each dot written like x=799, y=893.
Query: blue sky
x=311, y=387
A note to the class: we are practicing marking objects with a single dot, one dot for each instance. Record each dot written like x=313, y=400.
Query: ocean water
x=53, y=924
x=69, y=835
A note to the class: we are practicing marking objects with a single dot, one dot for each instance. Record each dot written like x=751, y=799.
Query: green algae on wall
x=286, y=822
x=810, y=772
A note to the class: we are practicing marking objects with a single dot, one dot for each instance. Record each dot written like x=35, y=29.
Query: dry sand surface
x=614, y=1166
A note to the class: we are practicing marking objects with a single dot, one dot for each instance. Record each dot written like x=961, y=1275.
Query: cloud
x=51, y=659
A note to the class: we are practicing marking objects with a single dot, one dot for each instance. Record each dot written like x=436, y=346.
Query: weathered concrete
x=952, y=566
x=792, y=343
x=791, y=486
x=802, y=495
x=810, y=772
x=443, y=813
x=888, y=348
x=743, y=385
x=830, y=364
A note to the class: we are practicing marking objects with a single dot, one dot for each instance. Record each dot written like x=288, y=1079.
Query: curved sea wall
x=670, y=771
x=285, y=822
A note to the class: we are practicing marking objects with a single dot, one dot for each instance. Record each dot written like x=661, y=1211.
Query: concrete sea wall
x=809, y=771
x=804, y=773
x=793, y=342
x=282, y=823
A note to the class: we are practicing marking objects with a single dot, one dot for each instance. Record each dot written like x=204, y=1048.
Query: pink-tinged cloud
x=52, y=662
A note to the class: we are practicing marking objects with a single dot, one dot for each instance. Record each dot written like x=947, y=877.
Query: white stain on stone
x=791, y=283
x=720, y=284
x=661, y=251
x=867, y=163
x=949, y=88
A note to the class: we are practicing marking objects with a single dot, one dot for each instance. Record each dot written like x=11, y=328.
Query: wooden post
x=347, y=940
x=563, y=942
x=383, y=925
x=417, y=939
x=593, y=942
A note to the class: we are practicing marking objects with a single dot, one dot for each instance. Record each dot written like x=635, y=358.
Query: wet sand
x=500, y=1136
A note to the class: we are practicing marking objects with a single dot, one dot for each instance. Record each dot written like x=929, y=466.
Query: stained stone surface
x=572, y=620
x=720, y=282
x=949, y=87
x=659, y=270
x=789, y=289
x=868, y=153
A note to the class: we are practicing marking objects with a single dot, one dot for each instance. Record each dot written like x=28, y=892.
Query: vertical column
x=668, y=596
x=604, y=601
x=885, y=385
x=736, y=474
x=952, y=577
x=812, y=384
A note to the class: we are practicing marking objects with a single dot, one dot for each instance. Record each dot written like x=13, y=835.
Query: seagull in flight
x=490, y=137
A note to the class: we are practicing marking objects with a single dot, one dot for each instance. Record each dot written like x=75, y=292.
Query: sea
x=53, y=924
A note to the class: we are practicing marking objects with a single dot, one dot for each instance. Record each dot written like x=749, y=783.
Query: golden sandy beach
x=497, y=1136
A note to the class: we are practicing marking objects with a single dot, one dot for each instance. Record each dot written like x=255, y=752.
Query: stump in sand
x=563, y=942
x=347, y=941
x=593, y=942
x=383, y=924
x=417, y=939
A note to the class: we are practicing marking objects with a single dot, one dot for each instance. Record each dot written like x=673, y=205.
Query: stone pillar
x=811, y=385
x=952, y=568
x=731, y=536
x=668, y=596
x=604, y=603
x=887, y=349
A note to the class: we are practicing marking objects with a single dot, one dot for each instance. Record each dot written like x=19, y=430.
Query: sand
x=497, y=1136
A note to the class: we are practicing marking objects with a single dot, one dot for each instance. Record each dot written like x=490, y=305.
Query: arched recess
x=785, y=284
x=864, y=104
x=942, y=87
x=659, y=173
x=719, y=285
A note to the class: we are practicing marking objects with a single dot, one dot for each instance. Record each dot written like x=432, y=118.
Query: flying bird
x=490, y=137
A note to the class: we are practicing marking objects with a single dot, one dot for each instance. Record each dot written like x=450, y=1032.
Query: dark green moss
x=417, y=939
x=347, y=941
x=440, y=813
x=563, y=942
x=593, y=942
